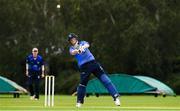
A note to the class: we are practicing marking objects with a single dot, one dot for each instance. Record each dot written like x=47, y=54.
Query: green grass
x=92, y=103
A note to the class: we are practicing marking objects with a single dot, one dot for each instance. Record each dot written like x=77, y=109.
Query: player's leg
x=30, y=87
x=102, y=76
x=37, y=81
x=81, y=90
x=110, y=87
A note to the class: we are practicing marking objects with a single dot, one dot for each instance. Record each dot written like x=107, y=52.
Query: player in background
x=87, y=65
x=34, y=72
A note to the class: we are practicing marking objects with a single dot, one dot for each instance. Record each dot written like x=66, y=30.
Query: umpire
x=34, y=72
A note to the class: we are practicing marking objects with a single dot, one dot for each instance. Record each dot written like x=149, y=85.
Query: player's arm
x=74, y=51
x=84, y=45
x=27, y=69
x=43, y=69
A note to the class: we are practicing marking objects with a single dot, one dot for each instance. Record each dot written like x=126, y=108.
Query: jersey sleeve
x=27, y=60
x=84, y=43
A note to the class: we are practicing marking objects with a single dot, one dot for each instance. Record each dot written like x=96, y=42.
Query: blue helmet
x=72, y=35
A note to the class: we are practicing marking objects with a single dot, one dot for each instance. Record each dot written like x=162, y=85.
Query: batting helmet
x=72, y=35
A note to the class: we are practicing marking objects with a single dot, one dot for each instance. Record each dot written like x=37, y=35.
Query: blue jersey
x=34, y=65
x=83, y=57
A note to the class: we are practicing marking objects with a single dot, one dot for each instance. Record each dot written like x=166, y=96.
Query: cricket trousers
x=33, y=84
x=95, y=68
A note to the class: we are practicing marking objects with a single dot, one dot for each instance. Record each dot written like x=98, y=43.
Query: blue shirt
x=34, y=65
x=83, y=57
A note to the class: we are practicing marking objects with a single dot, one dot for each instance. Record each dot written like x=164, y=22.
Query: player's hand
x=81, y=49
x=27, y=73
x=75, y=51
x=42, y=75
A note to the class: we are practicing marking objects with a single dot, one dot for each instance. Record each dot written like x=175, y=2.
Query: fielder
x=87, y=65
x=34, y=72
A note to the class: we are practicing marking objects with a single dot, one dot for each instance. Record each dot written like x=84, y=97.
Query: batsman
x=87, y=65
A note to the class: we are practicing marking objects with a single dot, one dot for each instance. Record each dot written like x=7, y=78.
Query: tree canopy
x=130, y=36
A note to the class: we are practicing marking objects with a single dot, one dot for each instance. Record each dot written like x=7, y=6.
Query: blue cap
x=72, y=35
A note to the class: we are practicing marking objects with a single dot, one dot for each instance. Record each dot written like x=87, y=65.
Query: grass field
x=92, y=103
